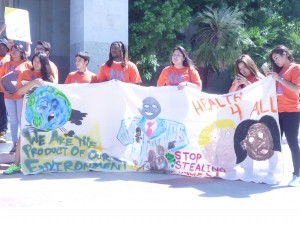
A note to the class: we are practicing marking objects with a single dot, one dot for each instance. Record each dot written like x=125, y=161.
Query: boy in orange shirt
x=82, y=75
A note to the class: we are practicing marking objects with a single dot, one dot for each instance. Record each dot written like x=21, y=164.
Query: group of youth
x=181, y=72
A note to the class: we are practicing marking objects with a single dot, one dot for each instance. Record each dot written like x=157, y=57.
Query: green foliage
x=253, y=27
x=146, y=65
x=155, y=29
x=217, y=31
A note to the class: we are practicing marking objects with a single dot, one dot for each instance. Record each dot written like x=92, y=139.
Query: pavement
x=143, y=198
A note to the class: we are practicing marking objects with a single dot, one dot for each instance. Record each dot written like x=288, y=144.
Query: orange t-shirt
x=28, y=75
x=80, y=77
x=17, y=67
x=3, y=60
x=170, y=75
x=54, y=72
x=287, y=100
x=128, y=74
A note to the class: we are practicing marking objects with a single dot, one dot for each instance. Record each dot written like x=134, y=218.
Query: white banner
x=116, y=126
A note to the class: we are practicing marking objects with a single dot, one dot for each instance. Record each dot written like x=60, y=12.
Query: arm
x=37, y=82
x=184, y=84
x=28, y=49
x=162, y=78
x=67, y=80
x=3, y=27
x=134, y=74
x=194, y=78
x=101, y=74
x=289, y=85
x=239, y=80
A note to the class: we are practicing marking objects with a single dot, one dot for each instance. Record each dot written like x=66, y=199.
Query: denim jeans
x=13, y=108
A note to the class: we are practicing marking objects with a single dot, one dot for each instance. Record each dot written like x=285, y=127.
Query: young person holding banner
x=181, y=72
x=118, y=66
x=246, y=73
x=35, y=76
x=287, y=76
x=13, y=102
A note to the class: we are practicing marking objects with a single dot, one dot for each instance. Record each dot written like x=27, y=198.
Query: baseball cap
x=4, y=41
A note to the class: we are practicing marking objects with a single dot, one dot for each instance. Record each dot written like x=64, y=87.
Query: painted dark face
x=151, y=108
x=258, y=142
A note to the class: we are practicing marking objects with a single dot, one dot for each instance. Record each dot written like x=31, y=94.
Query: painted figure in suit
x=142, y=134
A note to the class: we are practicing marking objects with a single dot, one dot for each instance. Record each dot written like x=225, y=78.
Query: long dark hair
x=187, y=62
x=280, y=49
x=46, y=71
x=250, y=65
x=124, y=54
x=20, y=48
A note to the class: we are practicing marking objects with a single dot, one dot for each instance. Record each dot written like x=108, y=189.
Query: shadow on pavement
x=209, y=187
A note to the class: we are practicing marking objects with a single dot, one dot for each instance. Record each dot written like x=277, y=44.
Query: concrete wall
x=49, y=21
x=76, y=25
x=94, y=25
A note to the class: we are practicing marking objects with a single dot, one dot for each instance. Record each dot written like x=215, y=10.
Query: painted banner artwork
x=17, y=21
x=116, y=126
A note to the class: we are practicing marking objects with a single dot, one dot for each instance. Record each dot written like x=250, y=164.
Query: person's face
x=116, y=51
x=258, y=142
x=40, y=48
x=80, y=63
x=177, y=58
x=15, y=54
x=279, y=60
x=243, y=69
x=151, y=108
x=3, y=50
x=37, y=64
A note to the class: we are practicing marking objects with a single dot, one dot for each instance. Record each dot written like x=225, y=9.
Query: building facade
x=75, y=25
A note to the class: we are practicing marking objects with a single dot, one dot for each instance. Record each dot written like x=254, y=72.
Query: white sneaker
x=295, y=182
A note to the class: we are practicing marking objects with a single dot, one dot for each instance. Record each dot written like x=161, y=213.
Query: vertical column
x=94, y=25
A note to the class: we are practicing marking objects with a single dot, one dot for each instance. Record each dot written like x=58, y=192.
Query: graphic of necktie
x=149, y=130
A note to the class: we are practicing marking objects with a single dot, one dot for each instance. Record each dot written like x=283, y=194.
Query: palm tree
x=218, y=39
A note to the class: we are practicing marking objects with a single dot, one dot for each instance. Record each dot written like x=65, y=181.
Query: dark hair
x=187, y=61
x=20, y=48
x=124, y=54
x=83, y=54
x=46, y=71
x=46, y=45
x=249, y=64
x=280, y=49
x=241, y=132
x=4, y=42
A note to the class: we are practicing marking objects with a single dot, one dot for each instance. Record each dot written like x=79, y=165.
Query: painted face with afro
x=258, y=142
